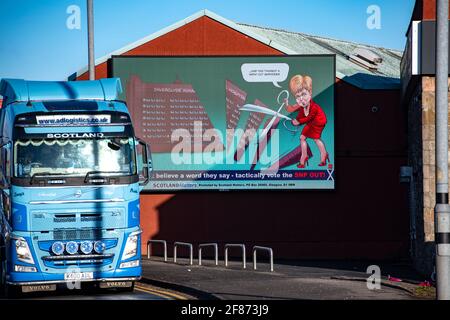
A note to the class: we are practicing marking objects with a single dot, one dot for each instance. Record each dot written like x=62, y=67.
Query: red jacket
x=315, y=117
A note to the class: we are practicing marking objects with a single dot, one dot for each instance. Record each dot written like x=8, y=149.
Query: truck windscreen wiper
x=102, y=174
x=47, y=174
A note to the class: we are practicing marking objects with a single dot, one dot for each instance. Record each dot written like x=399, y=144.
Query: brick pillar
x=429, y=153
x=422, y=158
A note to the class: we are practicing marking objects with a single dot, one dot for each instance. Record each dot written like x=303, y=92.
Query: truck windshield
x=75, y=157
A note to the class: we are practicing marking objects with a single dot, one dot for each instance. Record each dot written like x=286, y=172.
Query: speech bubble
x=265, y=72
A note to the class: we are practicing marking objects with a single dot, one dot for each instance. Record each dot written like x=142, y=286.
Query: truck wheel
x=7, y=291
x=2, y=276
x=12, y=292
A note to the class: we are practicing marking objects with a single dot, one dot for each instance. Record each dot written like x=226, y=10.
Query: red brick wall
x=203, y=36
x=425, y=10
x=365, y=217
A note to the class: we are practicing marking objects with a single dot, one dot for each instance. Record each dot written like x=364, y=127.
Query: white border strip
x=183, y=22
x=416, y=47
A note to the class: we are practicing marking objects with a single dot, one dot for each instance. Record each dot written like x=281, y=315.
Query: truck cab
x=71, y=172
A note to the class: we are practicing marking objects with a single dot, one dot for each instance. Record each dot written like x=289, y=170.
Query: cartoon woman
x=311, y=115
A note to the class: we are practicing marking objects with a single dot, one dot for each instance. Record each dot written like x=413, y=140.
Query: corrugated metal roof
x=386, y=77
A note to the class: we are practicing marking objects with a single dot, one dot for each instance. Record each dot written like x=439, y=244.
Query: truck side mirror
x=144, y=161
x=4, y=184
x=3, y=181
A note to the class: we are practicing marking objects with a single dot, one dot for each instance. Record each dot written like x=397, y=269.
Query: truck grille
x=78, y=260
x=82, y=234
x=84, y=217
x=64, y=219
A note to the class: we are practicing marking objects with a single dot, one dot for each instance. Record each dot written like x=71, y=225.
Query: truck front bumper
x=21, y=278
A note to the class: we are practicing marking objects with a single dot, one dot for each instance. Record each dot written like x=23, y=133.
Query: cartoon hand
x=295, y=122
x=286, y=102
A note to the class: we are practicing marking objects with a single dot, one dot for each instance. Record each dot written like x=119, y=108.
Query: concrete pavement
x=141, y=291
x=317, y=280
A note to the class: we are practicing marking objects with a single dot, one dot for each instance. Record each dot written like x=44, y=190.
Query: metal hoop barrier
x=255, y=249
x=149, y=242
x=184, y=244
x=244, y=261
x=216, y=252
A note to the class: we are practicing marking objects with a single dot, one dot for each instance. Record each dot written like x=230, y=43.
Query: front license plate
x=116, y=284
x=35, y=288
x=78, y=276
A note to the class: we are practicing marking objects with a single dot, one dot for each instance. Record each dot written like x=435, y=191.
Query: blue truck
x=71, y=172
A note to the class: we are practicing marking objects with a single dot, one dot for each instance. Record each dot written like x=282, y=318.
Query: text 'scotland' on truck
x=71, y=174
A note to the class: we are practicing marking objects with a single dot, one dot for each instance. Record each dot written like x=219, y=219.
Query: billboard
x=233, y=123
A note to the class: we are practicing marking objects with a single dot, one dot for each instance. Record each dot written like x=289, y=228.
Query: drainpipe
x=442, y=209
x=90, y=15
x=407, y=176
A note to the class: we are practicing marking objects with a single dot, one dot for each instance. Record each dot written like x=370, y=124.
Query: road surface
x=141, y=292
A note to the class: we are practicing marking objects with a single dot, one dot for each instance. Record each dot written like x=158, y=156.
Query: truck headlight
x=18, y=268
x=131, y=246
x=23, y=251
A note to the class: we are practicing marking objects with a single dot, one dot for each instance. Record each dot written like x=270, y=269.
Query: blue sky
x=36, y=43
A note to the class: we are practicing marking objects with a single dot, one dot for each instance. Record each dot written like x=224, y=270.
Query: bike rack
x=216, y=252
x=255, y=249
x=149, y=242
x=185, y=244
x=244, y=261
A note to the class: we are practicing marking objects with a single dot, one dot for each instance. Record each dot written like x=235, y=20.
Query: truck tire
x=2, y=276
x=2, y=251
x=12, y=292
x=7, y=291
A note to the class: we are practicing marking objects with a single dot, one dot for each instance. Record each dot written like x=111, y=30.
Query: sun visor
x=18, y=90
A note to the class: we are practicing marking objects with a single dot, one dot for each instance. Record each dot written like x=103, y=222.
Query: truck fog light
x=18, y=268
x=86, y=247
x=99, y=247
x=130, y=264
x=58, y=248
x=72, y=247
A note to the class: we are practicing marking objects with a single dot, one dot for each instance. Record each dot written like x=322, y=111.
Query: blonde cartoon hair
x=299, y=82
